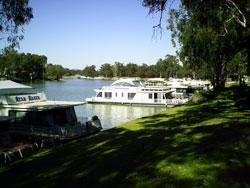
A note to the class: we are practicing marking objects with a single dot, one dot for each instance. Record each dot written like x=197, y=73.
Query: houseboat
x=154, y=91
x=132, y=91
x=24, y=112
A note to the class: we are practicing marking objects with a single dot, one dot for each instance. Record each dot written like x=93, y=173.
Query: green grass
x=204, y=145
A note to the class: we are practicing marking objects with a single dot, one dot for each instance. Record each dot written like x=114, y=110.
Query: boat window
x=71, y=116
x=180, y=90
x=59, y=117
x=131, y=95
x=108, y=95
x=190, y=90
x=168, y=96
x=122, y=94
x=99, y=94
x=150, y=96
x=116, y=94
x=22, y=117
x=25, y=118
x=46, y=118
x=136, y=83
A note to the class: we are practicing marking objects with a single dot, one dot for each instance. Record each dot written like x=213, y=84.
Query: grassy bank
x=204, y=145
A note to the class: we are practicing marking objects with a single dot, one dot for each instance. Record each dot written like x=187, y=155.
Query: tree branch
x=237, y=19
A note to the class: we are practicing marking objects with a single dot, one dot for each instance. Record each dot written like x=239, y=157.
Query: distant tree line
x=167, y=67
x=27, y=67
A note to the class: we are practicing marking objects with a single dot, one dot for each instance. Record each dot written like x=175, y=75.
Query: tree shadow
x=206, y=145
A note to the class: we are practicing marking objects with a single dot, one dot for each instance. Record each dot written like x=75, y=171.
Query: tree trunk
x=248, y=61
x=220, y=75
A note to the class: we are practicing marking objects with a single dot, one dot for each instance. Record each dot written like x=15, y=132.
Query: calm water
x=79, y=89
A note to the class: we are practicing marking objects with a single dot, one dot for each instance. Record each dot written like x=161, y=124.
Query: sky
x=76, y=33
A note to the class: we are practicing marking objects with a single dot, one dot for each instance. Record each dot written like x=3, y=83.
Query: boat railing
x=176, y=101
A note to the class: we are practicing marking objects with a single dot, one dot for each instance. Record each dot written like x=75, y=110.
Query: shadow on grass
x=206, y=145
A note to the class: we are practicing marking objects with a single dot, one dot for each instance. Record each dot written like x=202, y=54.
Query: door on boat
x=156, y=97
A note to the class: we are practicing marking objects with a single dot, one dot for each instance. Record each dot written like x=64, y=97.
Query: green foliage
x=131, y=70
x=237, y=66
x=209, y=33
x=14, y=15
x=203, y=47
x=167, y=67
x=54, y=72
x=90, y=71
x=119, y=69
x=22, y=67
x=106, y=70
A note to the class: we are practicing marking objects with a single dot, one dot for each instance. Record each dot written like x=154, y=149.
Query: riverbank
x=203, y=145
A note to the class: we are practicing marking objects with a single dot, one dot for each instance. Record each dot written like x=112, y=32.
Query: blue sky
x=76, y=33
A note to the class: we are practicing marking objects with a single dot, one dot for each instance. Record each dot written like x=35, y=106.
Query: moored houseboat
x=28, y=113
x=132, y=91
x=155, y=91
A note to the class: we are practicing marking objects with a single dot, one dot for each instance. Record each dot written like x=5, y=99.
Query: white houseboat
x=155, y=91
x=28, y=113
x=132, y=91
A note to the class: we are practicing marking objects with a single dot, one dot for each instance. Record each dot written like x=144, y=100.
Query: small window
x=115, y=94
x=131, y=95
x=122, y=94
x=150, y=96
x=99, y=94
x=108, y=95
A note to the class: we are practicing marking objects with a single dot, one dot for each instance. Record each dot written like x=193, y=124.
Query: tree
x=106, y=70
x=209, y=32
x=131, y=69
x=14, y=15
x=142, y=71
x=90, y=71
x=118, y=69
x=54, y=72
x=22, y=67
x=168, y=67
x=237, y=66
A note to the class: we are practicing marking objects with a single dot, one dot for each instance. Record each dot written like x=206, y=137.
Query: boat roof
x=127, y=82
x=8, y=87
x=156, y=80
x=43, y=105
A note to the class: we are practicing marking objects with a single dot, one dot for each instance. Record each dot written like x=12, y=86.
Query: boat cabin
x=30, y=114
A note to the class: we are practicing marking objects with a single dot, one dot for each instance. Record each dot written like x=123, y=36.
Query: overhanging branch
x=242, y=21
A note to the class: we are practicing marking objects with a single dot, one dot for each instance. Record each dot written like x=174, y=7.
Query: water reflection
x=114, y=115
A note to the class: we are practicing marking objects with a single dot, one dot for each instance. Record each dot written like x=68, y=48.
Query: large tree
x=14, y=14
x=209, y=32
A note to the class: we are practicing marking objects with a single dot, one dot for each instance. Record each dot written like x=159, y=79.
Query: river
x=80, y=89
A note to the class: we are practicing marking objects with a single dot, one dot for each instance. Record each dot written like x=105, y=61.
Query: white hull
x=165, y=102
